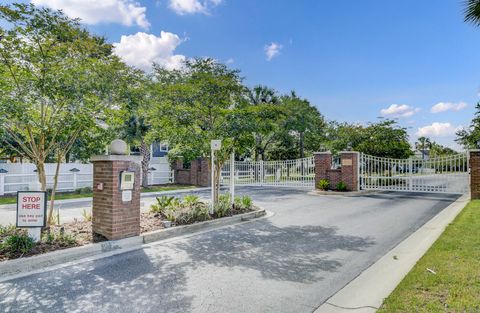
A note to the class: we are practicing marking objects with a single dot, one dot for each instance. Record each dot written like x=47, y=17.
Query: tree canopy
x=57, y=82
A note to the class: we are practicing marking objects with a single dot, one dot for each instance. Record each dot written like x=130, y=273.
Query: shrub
x=191, y=201
x=87, y=217
x=86, y=190
x=243, y=203
x=341, y=186
x=18, y=243
x=323, y=184
x=59, y=238
x=7, y=231
x=222, y=207
x=163, y=203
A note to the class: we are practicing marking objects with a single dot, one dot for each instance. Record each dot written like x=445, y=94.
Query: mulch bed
x=83, y=235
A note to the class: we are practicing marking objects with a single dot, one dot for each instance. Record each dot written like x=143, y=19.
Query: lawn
x=455, y=260
x=73, y=195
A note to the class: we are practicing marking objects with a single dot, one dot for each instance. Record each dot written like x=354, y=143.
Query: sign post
x=232, y=178
x=31, y=212
x=215, y=145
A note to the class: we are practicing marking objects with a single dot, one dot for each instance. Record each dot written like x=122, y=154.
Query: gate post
x=474, y=174
x=350, y=161
x=323, y=163
x=116, y=193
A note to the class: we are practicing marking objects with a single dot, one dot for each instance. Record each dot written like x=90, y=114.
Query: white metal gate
x=447, y=174
x=288, y=173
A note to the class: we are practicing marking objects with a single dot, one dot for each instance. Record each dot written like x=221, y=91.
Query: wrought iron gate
x=288, y=173
x=447, y=174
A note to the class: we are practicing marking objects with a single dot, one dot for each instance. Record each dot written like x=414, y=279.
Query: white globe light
x=118, y=147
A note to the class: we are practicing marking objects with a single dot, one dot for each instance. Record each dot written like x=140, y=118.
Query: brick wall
x=348, y=173
x=475, y=174
x=198, y=174
x=111, y=217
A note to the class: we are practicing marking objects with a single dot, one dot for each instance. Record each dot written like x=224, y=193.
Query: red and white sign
x=31, y=208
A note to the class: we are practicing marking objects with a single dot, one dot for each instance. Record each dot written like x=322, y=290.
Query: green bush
x=59, y=238
x=341, y=186
x=191, y=201
x=222, y=207
x=7, y=231
x=86, y=190
x=323, y=184
x=243, y=203
x=163, y=203
x=17, y=243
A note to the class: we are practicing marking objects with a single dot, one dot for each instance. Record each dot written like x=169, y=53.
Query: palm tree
x=134, y=132
x=263, y=97
x=472, y=12
x=423, y=144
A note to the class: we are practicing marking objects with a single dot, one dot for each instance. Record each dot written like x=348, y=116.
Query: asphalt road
x=290, y=262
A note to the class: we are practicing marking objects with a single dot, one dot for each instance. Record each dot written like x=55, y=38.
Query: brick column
x=112, y=217
x=475, y=174
x=323, y=163
x=204, y=176
x=350, y=161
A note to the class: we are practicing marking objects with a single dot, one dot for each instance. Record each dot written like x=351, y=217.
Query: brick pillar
x=475, y=174
x=194, y=171
x=323, y=163
x=204, y=176
x=350, y=161
x=112, y=217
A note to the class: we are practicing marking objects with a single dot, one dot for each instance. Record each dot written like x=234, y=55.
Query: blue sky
x=351, y=59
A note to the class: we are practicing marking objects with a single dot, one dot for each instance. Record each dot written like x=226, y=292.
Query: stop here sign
x=31, y=208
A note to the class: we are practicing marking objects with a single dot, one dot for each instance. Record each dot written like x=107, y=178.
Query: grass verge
x=447, y=277
x=72, y=195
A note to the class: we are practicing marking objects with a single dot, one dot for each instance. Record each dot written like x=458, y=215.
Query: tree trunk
x=145, y=152
x=54, y=189
x=302, y=152
x=41, y=175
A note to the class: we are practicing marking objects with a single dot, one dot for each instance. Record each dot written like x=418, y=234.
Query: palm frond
x=472, y=12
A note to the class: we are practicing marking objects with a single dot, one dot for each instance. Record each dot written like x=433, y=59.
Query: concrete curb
x=20, y=267
x=342, y=193
x=367, y=291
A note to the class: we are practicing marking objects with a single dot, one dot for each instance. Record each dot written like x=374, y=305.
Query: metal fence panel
x=447, y=174
x=288, y=173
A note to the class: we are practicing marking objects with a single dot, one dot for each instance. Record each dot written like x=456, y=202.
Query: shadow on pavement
x=105, y=285
x=293, y=253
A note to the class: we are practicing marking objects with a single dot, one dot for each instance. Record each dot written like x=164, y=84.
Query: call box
x=127, y=180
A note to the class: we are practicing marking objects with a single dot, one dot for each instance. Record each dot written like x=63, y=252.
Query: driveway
x=290, y=262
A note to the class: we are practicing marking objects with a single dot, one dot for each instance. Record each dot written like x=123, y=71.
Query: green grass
x=71, y=195
x=455, y=257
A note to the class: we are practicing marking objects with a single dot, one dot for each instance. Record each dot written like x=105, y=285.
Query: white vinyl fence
x=23, y=176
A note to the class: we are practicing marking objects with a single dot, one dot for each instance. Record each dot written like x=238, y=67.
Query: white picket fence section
x=449, y=174
x=287, y=173
x=23, y=177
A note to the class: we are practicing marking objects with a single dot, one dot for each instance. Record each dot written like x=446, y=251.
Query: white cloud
x=399, y=110
x=141, y=50
x=437, y=129
x=183, y=7
x=126, y=12
x=272, y=50
x=230, y=61
x=448, y=106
